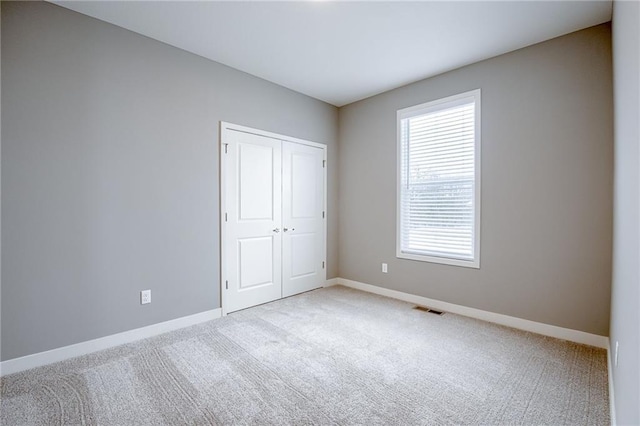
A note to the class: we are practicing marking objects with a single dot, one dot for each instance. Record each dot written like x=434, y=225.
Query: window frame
x=426, y=108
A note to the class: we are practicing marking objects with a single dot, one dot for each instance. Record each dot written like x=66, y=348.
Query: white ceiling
x=341, y=52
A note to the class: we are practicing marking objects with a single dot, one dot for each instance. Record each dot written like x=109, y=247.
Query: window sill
x=441, y=260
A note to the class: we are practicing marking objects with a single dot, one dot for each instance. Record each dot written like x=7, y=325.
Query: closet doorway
x=273, y=216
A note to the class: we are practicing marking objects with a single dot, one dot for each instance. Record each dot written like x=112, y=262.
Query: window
x=439, y=181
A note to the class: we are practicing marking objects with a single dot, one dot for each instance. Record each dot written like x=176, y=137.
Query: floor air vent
x=431, y=311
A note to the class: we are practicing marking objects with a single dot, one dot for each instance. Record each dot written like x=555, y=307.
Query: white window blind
x=438, y=181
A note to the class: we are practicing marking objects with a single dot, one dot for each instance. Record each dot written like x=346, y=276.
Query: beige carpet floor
x=330, y=356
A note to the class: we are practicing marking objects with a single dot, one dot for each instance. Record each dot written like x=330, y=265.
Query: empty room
x=320, y=212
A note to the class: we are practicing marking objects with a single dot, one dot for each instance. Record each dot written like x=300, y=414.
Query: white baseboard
x=60, y=354
x=612, y=399
x=43, y=358
x=330, y=282
x=514, y=322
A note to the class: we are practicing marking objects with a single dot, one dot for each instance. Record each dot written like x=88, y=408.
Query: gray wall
x=110, y=174
x=546, y=185
x=0, y=183
x=625, y=303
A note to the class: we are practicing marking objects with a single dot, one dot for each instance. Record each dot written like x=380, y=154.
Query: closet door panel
x=302, y=218
x=253, y=243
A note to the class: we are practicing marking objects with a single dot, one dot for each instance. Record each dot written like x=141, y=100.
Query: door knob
x=276, y=230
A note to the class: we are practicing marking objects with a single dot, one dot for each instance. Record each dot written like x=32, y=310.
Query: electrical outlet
x=615, y=356
x=145, y=297
x=384, y=268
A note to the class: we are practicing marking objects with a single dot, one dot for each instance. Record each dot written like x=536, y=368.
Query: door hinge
x=226, y=283
x=322, y=265
x=225, y=217
x=226, y=148
x=323, y=215
x=324, y=163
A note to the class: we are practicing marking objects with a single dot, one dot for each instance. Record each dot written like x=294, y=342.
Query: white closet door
x=302, y=218
x=253, y=243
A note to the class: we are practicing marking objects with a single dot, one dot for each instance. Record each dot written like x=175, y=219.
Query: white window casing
x=438, y=216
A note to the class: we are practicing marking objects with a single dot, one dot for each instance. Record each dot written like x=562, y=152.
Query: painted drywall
x=110, y=174
x=625, y=293
x=546, y=186
x=0, y=183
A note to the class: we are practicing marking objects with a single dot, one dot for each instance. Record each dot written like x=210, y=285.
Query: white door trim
x=225, y=128
x=230, y=126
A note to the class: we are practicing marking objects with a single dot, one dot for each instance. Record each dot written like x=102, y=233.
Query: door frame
x=224, y=129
